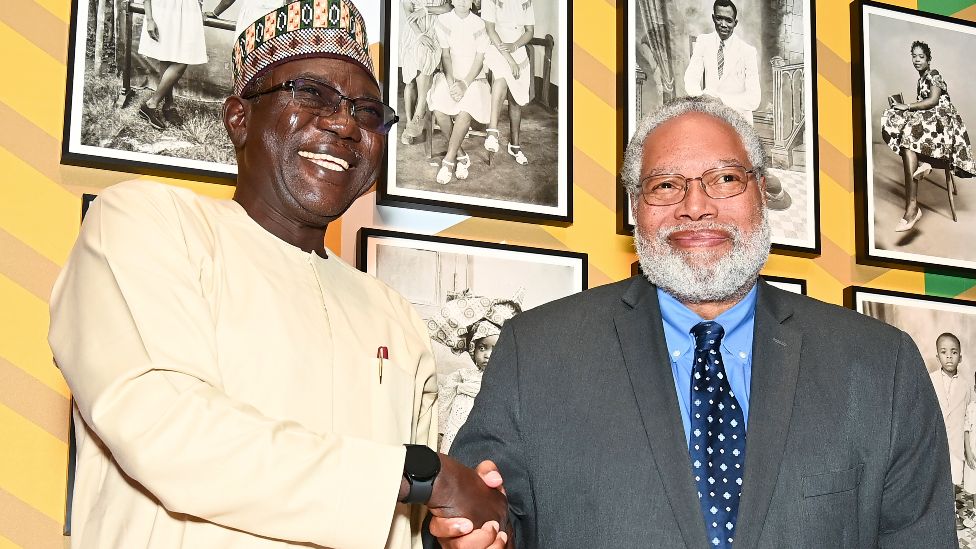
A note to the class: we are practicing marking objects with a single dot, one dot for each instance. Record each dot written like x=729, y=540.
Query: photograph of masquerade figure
x=467, y=325
x=918, y=152
x=466, y=291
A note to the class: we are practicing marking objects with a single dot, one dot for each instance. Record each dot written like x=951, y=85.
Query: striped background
x=40, y=208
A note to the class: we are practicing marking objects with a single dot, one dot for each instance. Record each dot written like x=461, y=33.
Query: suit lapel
x=775, y=366
x=641, y=336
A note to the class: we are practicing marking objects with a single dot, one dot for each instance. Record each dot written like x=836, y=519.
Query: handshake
x=469, y=507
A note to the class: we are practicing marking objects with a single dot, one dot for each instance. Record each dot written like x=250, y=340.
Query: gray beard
x=691, y=277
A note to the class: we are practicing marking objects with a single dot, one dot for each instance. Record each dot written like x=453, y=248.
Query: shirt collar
x=738, y=323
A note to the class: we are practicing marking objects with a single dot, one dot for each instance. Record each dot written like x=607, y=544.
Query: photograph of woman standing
x=172, y=34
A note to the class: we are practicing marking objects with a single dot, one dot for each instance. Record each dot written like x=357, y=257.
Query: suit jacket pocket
x=831, y=482
x=829, y=508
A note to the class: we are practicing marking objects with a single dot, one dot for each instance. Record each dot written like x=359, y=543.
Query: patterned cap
x=298, y=29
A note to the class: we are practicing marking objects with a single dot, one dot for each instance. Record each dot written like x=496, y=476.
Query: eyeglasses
x=668, y=189
x=323, y=100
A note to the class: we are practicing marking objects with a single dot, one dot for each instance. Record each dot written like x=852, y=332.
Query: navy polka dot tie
x=718, y=437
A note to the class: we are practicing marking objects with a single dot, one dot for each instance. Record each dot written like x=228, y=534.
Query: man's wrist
x=420, y=469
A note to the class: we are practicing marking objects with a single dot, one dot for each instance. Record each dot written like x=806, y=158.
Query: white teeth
x=326, y=161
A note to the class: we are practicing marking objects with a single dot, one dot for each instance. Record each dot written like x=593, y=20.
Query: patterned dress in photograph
x=937, y=133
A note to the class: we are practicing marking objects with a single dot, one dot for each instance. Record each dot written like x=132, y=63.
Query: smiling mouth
x=699, y=239
x=326, y=161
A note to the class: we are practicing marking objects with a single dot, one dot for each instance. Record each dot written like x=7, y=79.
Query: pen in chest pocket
x=382, y=354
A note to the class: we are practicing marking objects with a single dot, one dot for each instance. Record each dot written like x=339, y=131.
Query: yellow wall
x=40, y=208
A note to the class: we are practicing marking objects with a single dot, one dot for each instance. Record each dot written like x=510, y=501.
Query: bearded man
x=696, y=404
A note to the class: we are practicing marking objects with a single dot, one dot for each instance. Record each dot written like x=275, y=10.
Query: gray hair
x=630, y=173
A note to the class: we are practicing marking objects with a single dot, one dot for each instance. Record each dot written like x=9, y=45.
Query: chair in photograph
x=946, y=167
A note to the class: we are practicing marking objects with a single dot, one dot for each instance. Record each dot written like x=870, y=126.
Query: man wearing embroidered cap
x=223, y=362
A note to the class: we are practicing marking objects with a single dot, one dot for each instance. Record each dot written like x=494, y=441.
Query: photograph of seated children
x=480, y=87
x=467, y=325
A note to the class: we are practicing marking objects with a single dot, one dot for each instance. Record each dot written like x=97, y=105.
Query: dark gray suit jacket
x=845, y=444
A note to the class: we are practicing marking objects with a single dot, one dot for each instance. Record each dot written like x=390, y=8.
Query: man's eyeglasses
x=668, y=189
x=323, y=100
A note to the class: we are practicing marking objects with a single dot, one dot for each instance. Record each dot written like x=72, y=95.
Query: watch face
x=422, y=463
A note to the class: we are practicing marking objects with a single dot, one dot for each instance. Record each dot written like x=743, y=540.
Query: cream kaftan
x=228, y=383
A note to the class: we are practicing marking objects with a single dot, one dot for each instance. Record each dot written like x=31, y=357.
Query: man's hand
x=464, y=494
x=461, y=536
x=459, y=533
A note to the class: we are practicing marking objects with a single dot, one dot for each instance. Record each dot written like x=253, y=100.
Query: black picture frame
x=447, y=280
x=780, y=123
x=101, y=105
x=795, y=285
x=937, y=243
x=365, y=234
x=102, y=127
x=409, y=170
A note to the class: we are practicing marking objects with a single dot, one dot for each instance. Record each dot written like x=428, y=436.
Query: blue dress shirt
x=738, y=323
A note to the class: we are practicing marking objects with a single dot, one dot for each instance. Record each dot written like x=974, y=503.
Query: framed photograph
x=944, y=330
x=759, y=57
x=465, y=291
x=484, y=93
x=115, y=67
x=910, y=74
x=795, y=285
x=146, y=95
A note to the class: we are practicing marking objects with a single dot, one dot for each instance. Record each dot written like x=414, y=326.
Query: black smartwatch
x=420, y=469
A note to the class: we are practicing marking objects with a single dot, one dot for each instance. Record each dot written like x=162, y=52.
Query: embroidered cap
x=298, y=29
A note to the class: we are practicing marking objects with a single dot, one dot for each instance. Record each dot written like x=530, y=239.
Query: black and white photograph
x=758, y=57
x=944, y=330
x=795, y=285
x=147, y=80
x=918, y=158
x=465, y=291
x=483, y=93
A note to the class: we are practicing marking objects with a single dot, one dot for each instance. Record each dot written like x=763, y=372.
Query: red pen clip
x=382, y=353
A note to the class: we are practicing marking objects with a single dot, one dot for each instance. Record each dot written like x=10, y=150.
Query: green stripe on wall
x=944, y=7
x=945, y=285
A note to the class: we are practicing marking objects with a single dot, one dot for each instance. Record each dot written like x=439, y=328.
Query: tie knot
x=708, y=334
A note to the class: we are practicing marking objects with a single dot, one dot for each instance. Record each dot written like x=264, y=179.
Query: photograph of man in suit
x=723, y=65
x=695, y=404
